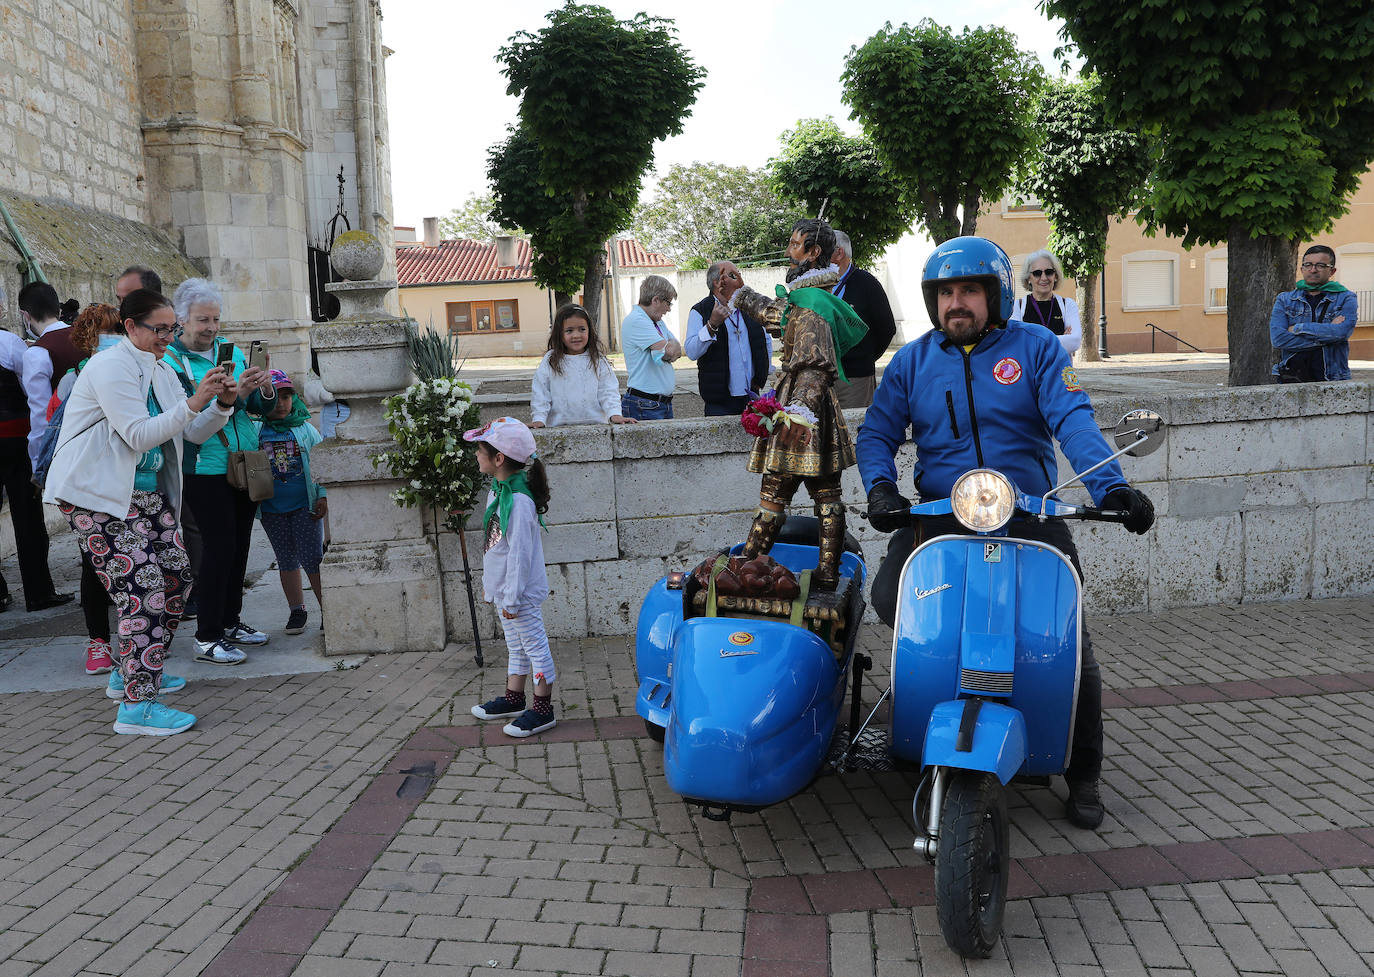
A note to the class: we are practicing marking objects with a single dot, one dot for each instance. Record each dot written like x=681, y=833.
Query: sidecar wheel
x=654, y=731
x=972, y=863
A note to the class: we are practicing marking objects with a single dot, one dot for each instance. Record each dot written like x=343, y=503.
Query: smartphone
x=225, y=356
x=257, y=355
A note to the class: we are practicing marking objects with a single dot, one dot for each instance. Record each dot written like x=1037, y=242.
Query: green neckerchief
x=298, y=416
x=503, y=496
x=1302, y=286
x=846, y=328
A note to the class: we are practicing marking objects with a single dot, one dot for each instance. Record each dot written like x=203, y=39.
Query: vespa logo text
x=736, y=654
x=923, y=594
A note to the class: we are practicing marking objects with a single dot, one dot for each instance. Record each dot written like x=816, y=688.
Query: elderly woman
x=222, y=514
x=1041, y=274
x=116, y=476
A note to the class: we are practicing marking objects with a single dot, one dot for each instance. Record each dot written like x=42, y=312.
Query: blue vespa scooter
x=746, y=705
x=985, y=668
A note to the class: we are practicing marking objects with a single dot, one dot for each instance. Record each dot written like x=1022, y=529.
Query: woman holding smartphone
x=223, y=514
x=116, y=476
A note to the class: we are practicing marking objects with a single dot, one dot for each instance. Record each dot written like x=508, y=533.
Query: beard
x=962, y=329
x=801, y=268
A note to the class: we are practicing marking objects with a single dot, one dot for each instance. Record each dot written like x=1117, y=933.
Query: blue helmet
x=975, y=259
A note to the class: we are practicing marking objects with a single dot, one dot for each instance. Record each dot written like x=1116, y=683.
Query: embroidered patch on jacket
x=1007, y=371
x=1071, y=380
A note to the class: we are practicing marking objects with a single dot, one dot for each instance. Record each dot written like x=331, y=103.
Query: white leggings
x=527, y=645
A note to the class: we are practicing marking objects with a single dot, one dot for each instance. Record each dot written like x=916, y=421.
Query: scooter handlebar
x=1095, y=515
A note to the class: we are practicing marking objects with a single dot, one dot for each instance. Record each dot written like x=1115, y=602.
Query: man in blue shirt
x=650, y=349
x=1310, y=326
x=983, y=390
x=731, y=349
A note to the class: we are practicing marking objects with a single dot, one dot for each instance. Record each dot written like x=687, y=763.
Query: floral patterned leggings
x=142, y=563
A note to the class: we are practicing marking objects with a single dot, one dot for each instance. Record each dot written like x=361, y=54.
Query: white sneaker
x=242, y=634
x=219, y=653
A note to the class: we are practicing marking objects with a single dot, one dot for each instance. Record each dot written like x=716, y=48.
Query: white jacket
x=578, y=395
x=513, y=573
x=1068, y=308
x=106, y=429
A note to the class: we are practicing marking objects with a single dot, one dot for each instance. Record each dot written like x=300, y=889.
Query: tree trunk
x=1087, y=308
x=1257, y=269
x=593, y=287
x=970, y=225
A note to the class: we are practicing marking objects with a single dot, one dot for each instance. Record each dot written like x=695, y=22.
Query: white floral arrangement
x=437, y=466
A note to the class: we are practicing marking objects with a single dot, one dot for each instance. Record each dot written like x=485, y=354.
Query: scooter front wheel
x=972, y=862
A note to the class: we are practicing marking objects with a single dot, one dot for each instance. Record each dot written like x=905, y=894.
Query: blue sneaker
x=115, y=690
x=152, y=719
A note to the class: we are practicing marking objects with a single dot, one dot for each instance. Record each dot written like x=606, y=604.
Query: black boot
x=1084, y=806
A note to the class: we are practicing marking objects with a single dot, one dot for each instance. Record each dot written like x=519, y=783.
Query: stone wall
x=69, y=113
x=1263, y=494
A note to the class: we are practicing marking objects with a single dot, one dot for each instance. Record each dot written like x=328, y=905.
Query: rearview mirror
x=1140, y=432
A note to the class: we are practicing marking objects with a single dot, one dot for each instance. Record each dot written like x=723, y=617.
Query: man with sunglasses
x=1310, y=326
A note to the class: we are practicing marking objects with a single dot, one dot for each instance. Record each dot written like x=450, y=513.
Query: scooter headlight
x=983, y=500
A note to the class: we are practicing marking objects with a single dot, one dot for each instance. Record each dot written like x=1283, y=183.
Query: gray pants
x=858, y=392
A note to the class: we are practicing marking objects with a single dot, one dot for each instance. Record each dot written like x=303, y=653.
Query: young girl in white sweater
x=513, y=576
x=574, y=383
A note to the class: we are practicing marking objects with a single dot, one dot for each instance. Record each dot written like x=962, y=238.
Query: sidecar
x=746, y=704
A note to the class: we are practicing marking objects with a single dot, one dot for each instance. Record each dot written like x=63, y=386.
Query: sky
x=769, y=64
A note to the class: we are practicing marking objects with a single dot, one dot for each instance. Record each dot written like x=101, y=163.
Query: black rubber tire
x=654, y=731
x=972, y=864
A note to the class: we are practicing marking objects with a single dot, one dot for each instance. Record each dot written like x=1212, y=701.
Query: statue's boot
x=831, y=517
x=763, y=532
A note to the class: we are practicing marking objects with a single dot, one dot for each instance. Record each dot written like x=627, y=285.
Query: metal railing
x=1154, y=329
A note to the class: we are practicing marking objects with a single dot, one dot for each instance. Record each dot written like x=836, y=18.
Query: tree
x=692, y=204
x=948, y=114
x=759, y=237
x=596, y=93
x=1088, y=173
x=1265, y=117
x=819, y=163
x=473, y=221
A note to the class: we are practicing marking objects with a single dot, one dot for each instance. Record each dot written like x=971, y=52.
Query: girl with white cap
x=513, y=575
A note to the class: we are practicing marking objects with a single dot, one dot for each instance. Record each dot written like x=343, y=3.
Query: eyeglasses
x=1046, y=272
x=1317, y=265
x=161, y=332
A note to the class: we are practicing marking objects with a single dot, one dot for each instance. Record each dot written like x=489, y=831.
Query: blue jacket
x=1292, y=328
x=1002, y=406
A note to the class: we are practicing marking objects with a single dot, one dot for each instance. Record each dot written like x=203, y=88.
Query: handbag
x=248, y=471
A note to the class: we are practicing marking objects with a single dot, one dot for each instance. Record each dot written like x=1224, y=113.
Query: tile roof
x=454, y=262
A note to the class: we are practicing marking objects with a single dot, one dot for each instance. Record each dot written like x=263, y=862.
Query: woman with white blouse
x=1041, y=274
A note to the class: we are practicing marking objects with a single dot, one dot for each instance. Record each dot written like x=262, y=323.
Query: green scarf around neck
x=300, y=414
x=503, y=496
x=1331, y=286
x=846, y=328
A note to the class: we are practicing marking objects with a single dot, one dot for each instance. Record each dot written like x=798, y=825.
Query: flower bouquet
x=437, y=466
x=765, y=413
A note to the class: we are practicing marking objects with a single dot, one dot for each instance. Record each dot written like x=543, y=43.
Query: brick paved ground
x=361, y=823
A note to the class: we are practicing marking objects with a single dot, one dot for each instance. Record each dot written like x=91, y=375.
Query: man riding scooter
x=986, y=391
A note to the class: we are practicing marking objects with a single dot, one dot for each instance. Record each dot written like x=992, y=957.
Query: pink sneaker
x=98, y=660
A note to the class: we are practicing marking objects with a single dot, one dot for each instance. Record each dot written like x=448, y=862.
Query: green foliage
x=430, y=457
x=948, y=114
x=596, y=94
x=432, y=354
x=1263, y=110
x=819, y=162
x=473, y=221
x=692, y=205
x=759, y=237
x=1088, y=171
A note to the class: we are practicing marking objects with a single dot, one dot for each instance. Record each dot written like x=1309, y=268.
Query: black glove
x=1140, y=511
x=888, y=509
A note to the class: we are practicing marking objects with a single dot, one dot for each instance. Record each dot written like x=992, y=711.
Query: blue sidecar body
x=748, y=705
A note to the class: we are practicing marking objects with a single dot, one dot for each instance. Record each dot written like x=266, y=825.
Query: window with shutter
x=1149, y=280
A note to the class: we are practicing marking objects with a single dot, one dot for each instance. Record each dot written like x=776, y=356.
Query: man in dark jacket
x=731, y=350
x=865, y=296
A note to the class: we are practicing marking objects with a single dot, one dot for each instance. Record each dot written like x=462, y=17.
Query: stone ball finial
x=357, y=256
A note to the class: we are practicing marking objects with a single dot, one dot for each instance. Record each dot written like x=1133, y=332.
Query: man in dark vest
x=731, y=350
x=48, y=359
x=865, y=295
x=26, y=511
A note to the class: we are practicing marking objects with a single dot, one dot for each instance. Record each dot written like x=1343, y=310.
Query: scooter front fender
x=998, y=745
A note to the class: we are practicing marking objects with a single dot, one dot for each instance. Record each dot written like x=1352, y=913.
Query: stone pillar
x=382, y=589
